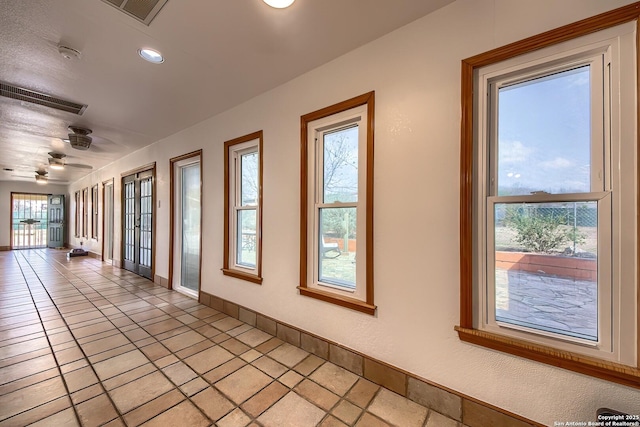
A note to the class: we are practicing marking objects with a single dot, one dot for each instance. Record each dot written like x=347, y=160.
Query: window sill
x=351, y=303
x=602, y=369
x=243, y=276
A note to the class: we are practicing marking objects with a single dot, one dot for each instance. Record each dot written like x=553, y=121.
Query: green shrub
x=541, y=232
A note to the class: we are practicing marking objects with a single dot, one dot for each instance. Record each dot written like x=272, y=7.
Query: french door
x=137, y=233
x=28, y=221
x=186, y=208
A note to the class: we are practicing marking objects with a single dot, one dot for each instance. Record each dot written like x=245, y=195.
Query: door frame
x=148, y=167
x=172, y=202
x=104, y=219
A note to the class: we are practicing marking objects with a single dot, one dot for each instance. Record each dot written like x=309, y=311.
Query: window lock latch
x=539, y=192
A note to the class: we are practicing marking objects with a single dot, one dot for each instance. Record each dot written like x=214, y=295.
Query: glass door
x=186, y=228
x=28, y=221
x=137, y=233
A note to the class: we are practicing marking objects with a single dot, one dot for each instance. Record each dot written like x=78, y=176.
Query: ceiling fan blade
x=79, y=165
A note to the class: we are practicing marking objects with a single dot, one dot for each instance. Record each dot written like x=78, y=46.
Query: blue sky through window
x=544, y=134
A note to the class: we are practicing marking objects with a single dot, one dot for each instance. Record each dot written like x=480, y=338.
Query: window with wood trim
x=243, y=208
x=94, y=212
x=336, y=248
x=78, y=214
x=85, y=212
x=549, y=231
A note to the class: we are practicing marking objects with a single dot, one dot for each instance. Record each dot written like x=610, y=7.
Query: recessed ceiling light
x=151, y=55
x=279, y=4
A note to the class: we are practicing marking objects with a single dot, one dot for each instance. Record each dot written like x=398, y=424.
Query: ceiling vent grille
x=142, y=10
x=27, y=95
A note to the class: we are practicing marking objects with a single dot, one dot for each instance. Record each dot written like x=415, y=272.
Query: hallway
x=84, y=343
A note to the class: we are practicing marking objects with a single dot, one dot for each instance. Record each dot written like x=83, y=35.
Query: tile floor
x=84, y=343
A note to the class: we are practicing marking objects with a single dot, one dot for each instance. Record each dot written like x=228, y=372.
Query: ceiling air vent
x=27, y=95
x=142, y=10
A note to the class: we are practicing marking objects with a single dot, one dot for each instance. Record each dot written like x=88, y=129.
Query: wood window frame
x=227, y=269
x=367, y=306
x=610, y=371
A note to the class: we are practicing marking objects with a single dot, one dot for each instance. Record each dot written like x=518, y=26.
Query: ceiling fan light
x=41, y=179
x=56, y=163
x=279, y=4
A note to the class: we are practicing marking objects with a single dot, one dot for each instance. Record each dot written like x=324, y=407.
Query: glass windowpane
x=337, y=247
x=340, y=160
x=546, y=267
x=544, y=134
x=249, y=179
x=246, y=239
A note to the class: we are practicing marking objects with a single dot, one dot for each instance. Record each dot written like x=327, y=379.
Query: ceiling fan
x=79, y=137
x=57, y=161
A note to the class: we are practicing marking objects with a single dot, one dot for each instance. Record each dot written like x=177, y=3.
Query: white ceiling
x=218, y=53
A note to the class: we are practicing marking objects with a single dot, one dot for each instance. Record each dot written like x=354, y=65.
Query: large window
x=243, y=207
x=78, y=214
x=85, y=212
x=549, y=229
x=94, y=212
x=337, y=204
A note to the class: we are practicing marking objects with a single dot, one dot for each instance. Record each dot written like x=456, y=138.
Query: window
x=243, y=207
x=85, y=211
x=78, y=228
x=94, y=210
x=336, y=250
x=548, y=200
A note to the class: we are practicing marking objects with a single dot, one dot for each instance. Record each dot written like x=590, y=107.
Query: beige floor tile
x=80, y=378
x=438, y=420
x=183, y=414
x=66, y=418
x=362, y=393
x=308, y=365
x=197, y=348
x=105, y=344
x=347, y=412
x=288, y=355
x=28, y=381
x=86, y=394
x=331, y=421
x=269, y=366
x=320, y=396
x=250, y=355
x=334, y=378
x=140, y=391
x=397, y=410
x=181, y=341
x=235, y=418
x=179, y=373
x=234, y=346
x=226, y=324
x=213, y=403
x=27, y=368
x=128, y=376
x=29, y=397
x=37, y=413
x=292, y=411
x=243, y=383
x=239, y=330
x=153, y=408
x=155, y=351
x=368, y=420
x=109, y=354
x=208, y=359
x=96, y=411
x=194, y=386
x=223, y=370
x=264, y=399
x=253, y=337
x=291, y=379
x=120, y=364
x=163, y=326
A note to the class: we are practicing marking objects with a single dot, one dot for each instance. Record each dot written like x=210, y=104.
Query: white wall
x=6, y=188
x=415, y=72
